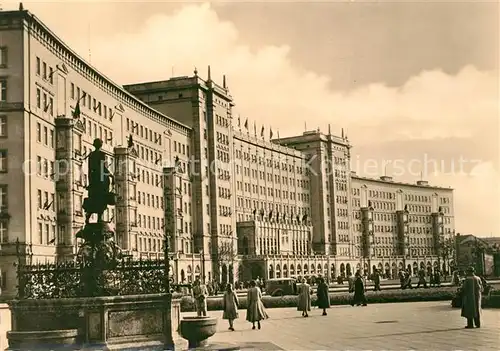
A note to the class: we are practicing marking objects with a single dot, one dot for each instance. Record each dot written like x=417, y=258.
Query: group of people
x=472, y=288
x=406, y=282
x=256, y=311
x=304, y=297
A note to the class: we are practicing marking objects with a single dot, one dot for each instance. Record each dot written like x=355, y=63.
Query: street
x=398, y=326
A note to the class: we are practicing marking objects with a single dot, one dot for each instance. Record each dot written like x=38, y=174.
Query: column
x=126, y=202
x=68, y=158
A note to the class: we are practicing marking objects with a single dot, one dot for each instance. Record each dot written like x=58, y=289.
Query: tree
x=447, y=247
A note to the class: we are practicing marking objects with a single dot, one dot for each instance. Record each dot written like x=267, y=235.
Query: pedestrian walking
x=471, y=299
x=437, y=278
x=200, y=294
x=350, y=280
x=255, y=310
x=230, y=305
x=421, y=279
x=376, y=280
x=304, y=298
x=359, y=297
x=323, y=296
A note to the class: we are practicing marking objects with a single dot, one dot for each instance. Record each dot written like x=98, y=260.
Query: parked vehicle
x=281, y=286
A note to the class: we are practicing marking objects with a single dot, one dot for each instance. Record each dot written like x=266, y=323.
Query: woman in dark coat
x=255, y=310
x=359, y=297
x=323, y=297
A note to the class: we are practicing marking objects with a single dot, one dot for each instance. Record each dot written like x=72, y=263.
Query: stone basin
x=196, y=330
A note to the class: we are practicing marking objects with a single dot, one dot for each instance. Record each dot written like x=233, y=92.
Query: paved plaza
x=398, y=326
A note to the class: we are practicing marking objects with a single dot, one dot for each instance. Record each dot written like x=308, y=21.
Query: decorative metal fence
x=66, y=279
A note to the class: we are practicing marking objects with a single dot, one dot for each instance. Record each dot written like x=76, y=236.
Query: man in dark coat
x=323, y=296
x=359, y=297
x=471, y=299
x=376, y=280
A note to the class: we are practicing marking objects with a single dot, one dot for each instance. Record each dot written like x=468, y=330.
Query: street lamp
x=368, y=233
x=167, y=330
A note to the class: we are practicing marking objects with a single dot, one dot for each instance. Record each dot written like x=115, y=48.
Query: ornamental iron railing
x=66, y=279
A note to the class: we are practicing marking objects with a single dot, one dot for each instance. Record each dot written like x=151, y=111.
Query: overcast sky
x=412, y=83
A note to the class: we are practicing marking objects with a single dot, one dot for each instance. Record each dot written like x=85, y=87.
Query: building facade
x=235, y=202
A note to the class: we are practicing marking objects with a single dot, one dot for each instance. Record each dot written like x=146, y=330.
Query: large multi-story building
x=235, y=202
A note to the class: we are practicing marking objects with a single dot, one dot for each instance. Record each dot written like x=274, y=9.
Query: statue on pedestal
x=100, y=180
x=98, y=250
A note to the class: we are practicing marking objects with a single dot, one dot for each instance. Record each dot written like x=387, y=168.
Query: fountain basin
x=42, y=340
x=196, y=330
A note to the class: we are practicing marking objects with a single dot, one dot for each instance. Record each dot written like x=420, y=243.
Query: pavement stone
x=396, y=326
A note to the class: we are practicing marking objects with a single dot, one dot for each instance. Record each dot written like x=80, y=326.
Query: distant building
x=481, y=253
x=237, y=201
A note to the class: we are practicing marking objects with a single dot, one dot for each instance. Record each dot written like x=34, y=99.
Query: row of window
x=276, y=193
x=44, y=71
x=222, y=139
x=223, y=156
x=46, y=233
x=94, y=130
x=265, y=207
x=45, y=168
x=252, y=157
x=45, y=200
x=270, y=177
x=87, y=101
x=222, y=121
x=45, y=135
x=45, y=101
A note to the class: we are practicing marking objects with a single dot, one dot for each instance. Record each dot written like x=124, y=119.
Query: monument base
x=104, y=323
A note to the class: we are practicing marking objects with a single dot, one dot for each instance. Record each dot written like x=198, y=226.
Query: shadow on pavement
x=408, y=333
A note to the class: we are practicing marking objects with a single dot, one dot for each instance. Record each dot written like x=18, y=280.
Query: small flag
x=246, y=124
x=130, y=141
x=270, y=133
x=262, y=132
x=76, y=112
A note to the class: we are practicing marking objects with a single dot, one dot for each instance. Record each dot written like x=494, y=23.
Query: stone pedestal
x=104, y=323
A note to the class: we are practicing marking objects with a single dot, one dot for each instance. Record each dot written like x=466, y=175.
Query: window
x=40, y=233
x=3, y=89
x=3, y=126
x=4, y=234
x=38, y=165
x=44, y=70
x=3, y=56
x=38, y=65
x=73, y=91
x=39, y=132
x=3, y=161
x=51, y=138
x=51, y=106
x=45, y=135
x=38, y=97
x=51, y=75
x=39, y=201
x=3, y=196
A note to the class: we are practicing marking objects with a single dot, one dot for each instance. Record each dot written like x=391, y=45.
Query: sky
x=414, y=85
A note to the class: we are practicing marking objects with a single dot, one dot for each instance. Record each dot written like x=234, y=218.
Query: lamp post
x=368, y=233
x=167, y=319
x=405, y=238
